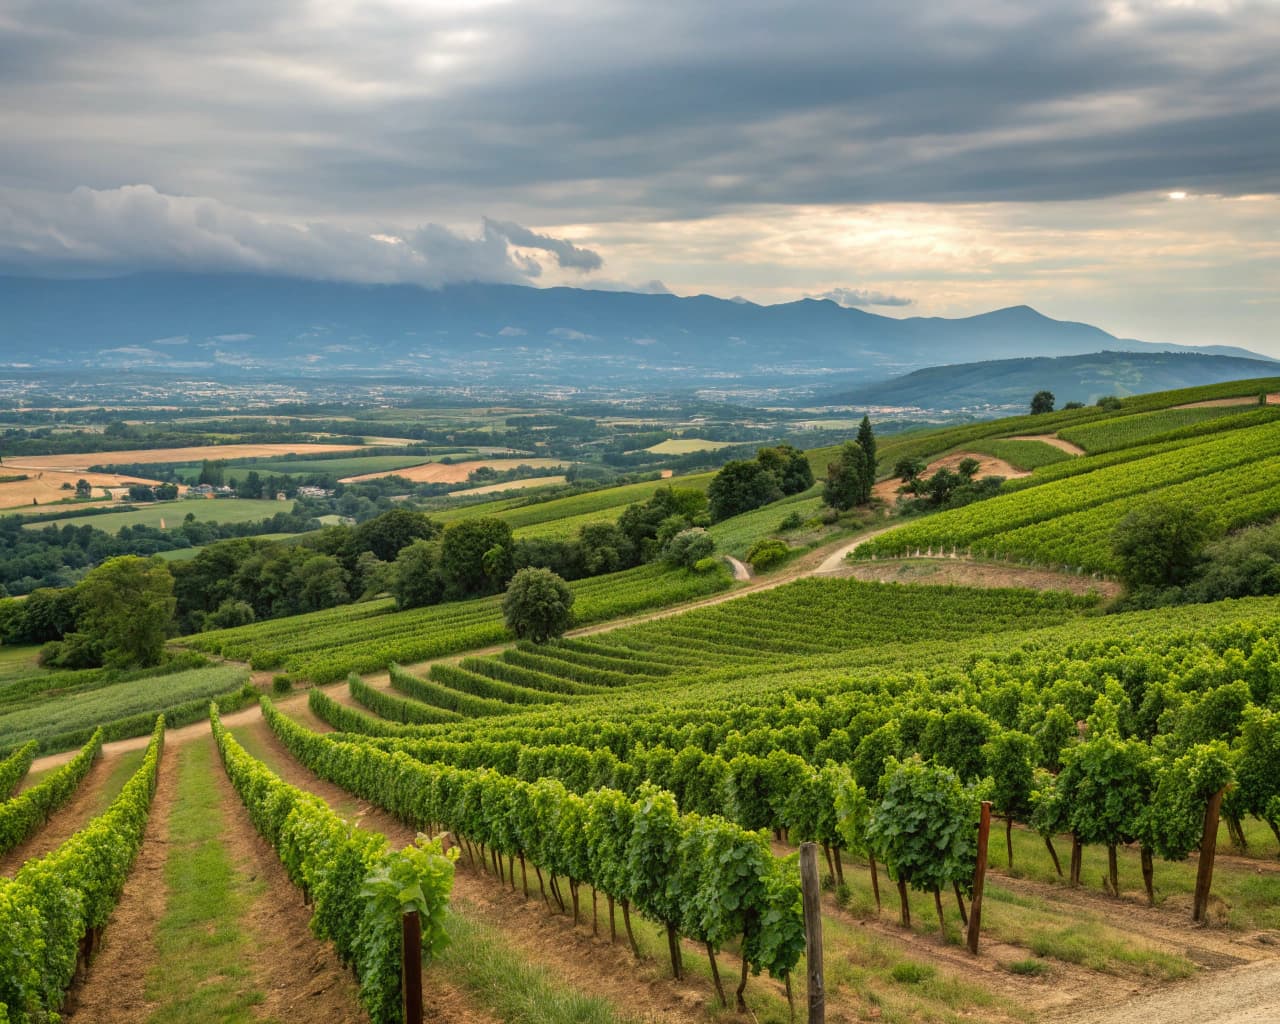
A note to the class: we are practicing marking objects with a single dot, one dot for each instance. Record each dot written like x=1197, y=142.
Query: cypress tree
x=867, y=442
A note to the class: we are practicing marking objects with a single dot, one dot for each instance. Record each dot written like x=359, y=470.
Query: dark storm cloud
x=584, y=111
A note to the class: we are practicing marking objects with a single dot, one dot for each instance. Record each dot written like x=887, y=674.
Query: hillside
x=1009, y=383
x=240, y=324
x=671, y=752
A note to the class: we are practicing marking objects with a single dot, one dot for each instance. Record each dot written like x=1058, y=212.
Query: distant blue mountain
x=1004, y=384
x=236, y=324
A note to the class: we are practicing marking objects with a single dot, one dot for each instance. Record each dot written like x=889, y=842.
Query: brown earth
x=963, y=572
x=1243, y=995
x=113, y=989
x=453, y=473
x=194, y=453
x=988, y=465
x=89, y=799
x=1051, y=439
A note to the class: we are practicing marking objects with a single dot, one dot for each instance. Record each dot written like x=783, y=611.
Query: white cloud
x=863, y=297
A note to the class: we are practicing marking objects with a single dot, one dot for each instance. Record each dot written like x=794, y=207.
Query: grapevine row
x=342, y=869
x=53, y=909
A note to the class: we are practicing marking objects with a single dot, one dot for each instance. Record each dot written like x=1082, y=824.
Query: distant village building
x=307, y=491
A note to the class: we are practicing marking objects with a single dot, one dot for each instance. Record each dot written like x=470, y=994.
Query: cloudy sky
x=1116, y=162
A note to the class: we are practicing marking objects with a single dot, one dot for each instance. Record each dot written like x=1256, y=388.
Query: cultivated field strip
x=1204, y=468
x=325, y=646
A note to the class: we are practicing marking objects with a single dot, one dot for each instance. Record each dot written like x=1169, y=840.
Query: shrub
x=688, y=547
x=765, y=554
x=792, y=522
x=281, y=684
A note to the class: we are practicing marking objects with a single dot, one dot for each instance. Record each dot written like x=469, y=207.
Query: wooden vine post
x=1208, y=848
x=979, y=877
x=411, y=974
x=811, y=895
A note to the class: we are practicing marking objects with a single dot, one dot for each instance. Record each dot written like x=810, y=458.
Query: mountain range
x=1004, y=385
x=230, y=325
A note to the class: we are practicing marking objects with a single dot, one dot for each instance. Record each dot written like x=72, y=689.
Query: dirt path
x=741, y=571
x=1052, y=439
x=114, y=988
x=89, y=799
x=964, y=572
x=172, y=737
x=1243, y=995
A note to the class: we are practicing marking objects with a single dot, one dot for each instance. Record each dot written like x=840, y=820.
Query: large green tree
x=538, y=605
x=126, y=607
x=1159, y=544
x=849, y=478
x=386, y=534
x=476, y=557
x=789, y=465
x=740, y=486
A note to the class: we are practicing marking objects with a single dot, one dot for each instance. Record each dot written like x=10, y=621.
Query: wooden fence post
x=979, y=877
x=411, y=972
x=1208, y=849
x=811, y=894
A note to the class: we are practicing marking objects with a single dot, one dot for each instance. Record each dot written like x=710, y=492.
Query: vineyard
x=1069, y=521
x=609, y=826
x=324, y=646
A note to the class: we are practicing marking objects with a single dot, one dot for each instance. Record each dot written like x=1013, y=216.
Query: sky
x=1113, y=162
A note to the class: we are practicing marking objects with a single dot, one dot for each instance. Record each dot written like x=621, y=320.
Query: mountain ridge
x=1001, y=384
x=243, y=323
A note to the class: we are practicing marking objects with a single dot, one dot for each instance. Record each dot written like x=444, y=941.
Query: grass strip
x=514, y=990
x=202, y=972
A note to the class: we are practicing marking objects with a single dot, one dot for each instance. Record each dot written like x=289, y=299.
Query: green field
x=1234, y=476
x=220, y=510
x=76, y=708
x=685, y=445
x=324, y=646
x=347, y=465
x=1126, y=431
x=734, y=536
x=563, y=517
x=1026, y=455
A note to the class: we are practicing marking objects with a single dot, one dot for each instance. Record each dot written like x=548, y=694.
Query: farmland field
x=457, y=472
x=77, y=707
x=339, y=466
x=42, y=487
x=1124, y=431
x=199, y=453
x=172, y=513
x=510, y=485
x=685, y=445
x=626, y=801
